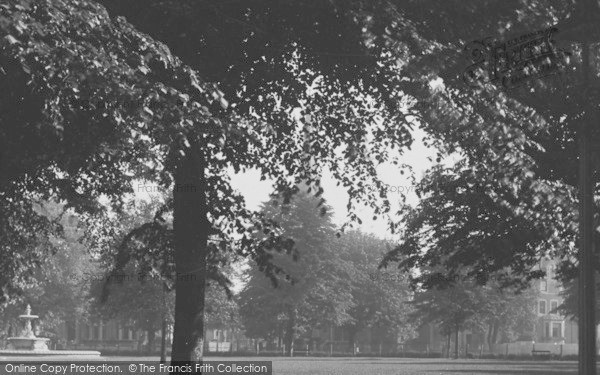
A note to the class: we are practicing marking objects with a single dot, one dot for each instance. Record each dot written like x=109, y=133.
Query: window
x=556, y=329
x=542, y=307
x=553, y=306
x=544, y=286
x=547, y=329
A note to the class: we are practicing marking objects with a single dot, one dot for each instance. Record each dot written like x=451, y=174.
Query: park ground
x=415, y=366
x=389, y=366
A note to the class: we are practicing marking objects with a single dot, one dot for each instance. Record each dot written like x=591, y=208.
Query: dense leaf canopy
x=102, y=104
x=511, y=201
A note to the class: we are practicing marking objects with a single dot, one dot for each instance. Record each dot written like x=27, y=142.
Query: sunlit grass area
x=401, y=366
x=405, y=366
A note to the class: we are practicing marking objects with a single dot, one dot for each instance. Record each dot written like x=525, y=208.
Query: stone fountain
x=27, y=340
x=27, y=344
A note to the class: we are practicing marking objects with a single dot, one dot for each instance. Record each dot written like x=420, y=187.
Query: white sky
x=256, y=191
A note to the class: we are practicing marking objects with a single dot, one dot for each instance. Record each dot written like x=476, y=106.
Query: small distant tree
x=452, y=309
x=508, y=315
x=143, y=301
x=498, y=313
x=222, y=310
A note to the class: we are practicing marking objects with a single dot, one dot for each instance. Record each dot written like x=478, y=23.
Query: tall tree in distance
x=314, y=289
x=381, y=299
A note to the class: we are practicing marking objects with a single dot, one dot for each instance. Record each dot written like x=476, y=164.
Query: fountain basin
x=28, y=343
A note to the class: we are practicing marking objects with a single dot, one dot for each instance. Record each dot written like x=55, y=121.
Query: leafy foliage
x=221, y=310
x=109, y=105
x=113, y=104
x=500, y=314
x=302, y=77
x=570, y=303
x=468, y=226
x=93, y=104
x=314, y=291
x=511, y=201
x=380, y=299
x=58, y=290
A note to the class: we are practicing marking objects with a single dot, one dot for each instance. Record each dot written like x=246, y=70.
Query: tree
x=26, y=232
x=520, y=142
x=569, y=306
x=67, y=93
x=59, y=291
x=139, y=291
x=380, y=299
x=481, y=229
x=104, y=134
x=509, y=316
x=313, y=291
x=138, y=299
x=453, y=309
x=489, y=308
x=222, y=310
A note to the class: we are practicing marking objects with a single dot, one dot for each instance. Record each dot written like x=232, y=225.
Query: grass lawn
x=408, y=366
x=404, y=366
x=385, y=366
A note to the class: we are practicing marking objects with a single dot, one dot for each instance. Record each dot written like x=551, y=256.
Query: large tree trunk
x=191, y=229
x=163, y=341
x=290, y=333
x=448, y=345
